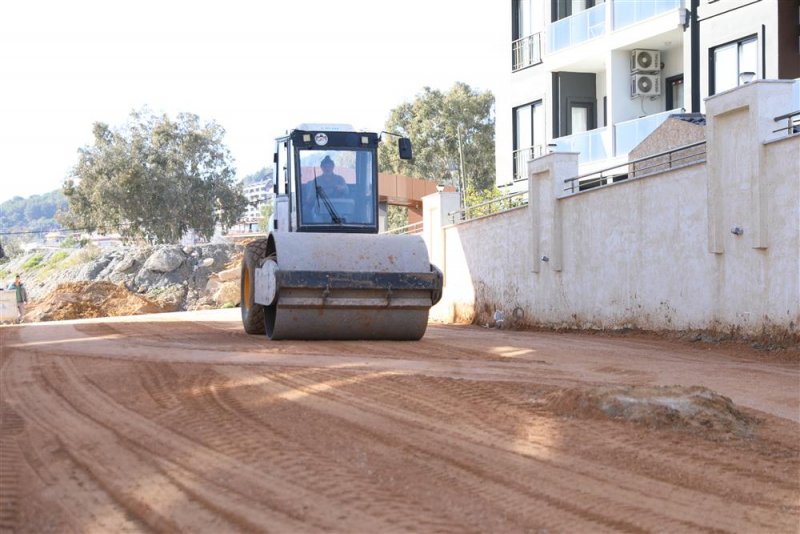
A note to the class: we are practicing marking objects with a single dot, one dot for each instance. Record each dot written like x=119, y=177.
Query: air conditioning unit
x=645, y=85
x=645, y=61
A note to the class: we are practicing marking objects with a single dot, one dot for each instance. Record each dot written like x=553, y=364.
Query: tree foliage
x=155, y=178
x=396, y=217
x=33, y=214
x=435, y=121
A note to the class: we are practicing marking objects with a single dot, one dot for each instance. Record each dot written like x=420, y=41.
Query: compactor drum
x=323, y=273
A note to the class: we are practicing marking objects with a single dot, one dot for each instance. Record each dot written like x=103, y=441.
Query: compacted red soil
x=181, y=422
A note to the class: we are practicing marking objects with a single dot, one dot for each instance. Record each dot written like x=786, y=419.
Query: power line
x=68, y=230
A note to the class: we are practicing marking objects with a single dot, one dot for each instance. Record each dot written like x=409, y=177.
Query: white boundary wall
x=654, y=253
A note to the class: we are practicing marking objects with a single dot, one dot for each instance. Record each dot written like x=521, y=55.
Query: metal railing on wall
x=413, y=228
x=792, y=123
x=523, y=156
x=490, y=207
x=639, y=168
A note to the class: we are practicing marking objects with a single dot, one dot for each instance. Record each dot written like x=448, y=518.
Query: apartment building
x=257, y=194
x=596, y=77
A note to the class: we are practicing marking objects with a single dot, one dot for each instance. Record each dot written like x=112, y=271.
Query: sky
x=256, y=68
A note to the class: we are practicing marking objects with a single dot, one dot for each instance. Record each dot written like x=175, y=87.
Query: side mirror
x=404, y=147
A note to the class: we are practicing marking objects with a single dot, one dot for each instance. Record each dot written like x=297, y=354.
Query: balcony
x=593, y=145
x=591, y=23
x=627, y=12
x=583, y=26
x=600, y=143
x=521, y=159
x=628, y=134
x=526, y=52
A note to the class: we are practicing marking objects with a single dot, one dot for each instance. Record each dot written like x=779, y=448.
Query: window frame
x=371, y=174
x=514, y=129
x=712, y=82
x=669, y=94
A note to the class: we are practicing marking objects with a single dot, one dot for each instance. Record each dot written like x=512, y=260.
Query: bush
x=32, y=262
x=84, y=255
x=57, y=257
x=52, y=263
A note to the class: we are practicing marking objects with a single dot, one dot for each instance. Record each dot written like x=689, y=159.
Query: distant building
x=258, y=195
x=106, y=241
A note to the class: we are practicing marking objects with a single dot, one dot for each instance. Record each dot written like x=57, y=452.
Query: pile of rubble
x=83, y=300
x=692, y=409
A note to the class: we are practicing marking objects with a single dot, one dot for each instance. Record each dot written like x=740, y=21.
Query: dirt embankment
x=83, y=300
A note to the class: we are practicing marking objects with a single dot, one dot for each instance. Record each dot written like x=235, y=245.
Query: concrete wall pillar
x=436, y=208
x=545, y=187
x=739, y=121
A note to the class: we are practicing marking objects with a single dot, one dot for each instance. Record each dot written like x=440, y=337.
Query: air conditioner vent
x=645, y=61
x=645, y=85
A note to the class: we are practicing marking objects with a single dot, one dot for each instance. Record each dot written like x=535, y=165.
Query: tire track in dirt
x=258, y=439
x=444, y=460
x=139, y=434
x=380, y=440
x=521, y=403
x=103, y=460
x=624, y=478
x=11, y=426
x=314, y=467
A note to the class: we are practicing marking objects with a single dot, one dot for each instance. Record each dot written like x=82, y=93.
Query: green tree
x=36, y=213
x=451, y=132
x=397, y=217
x=266, y=212
x=154, y=178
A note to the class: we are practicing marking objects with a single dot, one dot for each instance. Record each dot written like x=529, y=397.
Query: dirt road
x=181, y=422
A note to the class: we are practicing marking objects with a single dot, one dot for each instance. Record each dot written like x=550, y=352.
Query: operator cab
x=327, y=180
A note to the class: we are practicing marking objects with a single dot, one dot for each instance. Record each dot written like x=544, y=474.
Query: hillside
x=32, y=214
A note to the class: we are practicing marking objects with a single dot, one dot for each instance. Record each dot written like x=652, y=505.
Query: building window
x=674, y=92
x=523, y=19
x=529, y=136
x=730, y=61
x=580, y=116
x=526, y=43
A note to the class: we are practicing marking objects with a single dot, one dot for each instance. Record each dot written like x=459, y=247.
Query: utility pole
x=461, y=180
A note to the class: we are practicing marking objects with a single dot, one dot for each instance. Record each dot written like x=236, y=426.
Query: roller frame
x=391, y=303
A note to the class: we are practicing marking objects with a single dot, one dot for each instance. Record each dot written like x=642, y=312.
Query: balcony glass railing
x=592, y=145
x=628, y=134
x=628, y=12
x=577, y=28
x=526, y=51
x=521, y=159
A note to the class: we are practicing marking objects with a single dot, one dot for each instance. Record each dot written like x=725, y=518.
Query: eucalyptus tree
x=155, y=178
x=453, y=137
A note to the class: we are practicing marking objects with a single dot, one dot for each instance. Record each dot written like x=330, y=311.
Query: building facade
x=596, y=77
x=258, y=194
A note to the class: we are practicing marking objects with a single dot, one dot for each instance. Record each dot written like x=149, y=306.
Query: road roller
x=324, y=272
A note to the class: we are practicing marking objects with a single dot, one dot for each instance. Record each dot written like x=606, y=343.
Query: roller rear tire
x=252, y=313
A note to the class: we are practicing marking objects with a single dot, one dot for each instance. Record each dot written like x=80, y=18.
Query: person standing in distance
x=22, y=297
